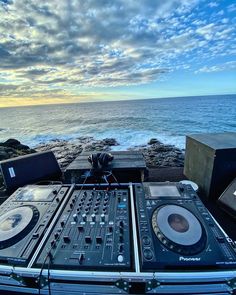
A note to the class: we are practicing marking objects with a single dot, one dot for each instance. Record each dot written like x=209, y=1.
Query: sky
x=94, y=50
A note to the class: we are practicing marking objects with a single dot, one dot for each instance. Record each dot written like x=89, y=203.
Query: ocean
x=131, y=122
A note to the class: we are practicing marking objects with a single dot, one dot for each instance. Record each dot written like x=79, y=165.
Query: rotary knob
x=146, y=240
x=147, y=253
x=66, y=239
x=120, y=258
x=75, y=217
x=103, y=217
x=84, y=217
x=88, y=239
x=98, y=239
x=93, y=217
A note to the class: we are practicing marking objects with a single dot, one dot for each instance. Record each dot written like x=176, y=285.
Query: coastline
x=156, y=154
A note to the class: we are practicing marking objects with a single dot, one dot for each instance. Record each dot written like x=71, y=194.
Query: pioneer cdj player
x=176, y=231
x=93, y=232
x=24, y=218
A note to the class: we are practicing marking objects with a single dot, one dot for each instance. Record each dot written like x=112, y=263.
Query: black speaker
x=29, y=169
x=227, y=201
x=210, y=161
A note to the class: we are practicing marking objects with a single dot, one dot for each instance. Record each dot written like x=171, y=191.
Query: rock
x=67, y=151
x=110, y=141
x=13, y=148
x=153, y=141
x=155, y=153
x=12, y=142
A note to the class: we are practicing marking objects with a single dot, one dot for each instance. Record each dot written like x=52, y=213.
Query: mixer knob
x=121, y=230
x=73, y=200
x=71, y=205
x=54, y=191
x=93, y=217
x=121, y=224
x=35, y=235
x=98, y=239
x=57, y=200
x=84, y=217
x=121, y=239
x=88, y=239
x=102, y=217
x=121, y=248
x=110, y=229
x=53, y=243
x=62, y=223
x=66, y=239
x=85, y=194
x=56, y=235
x=81, y=258
x=75, y=217
x=80, y=228
x=120, y=258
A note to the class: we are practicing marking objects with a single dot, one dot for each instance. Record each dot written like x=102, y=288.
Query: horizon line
x=116, y=100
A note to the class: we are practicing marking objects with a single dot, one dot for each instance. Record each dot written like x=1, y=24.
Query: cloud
x=213, y=4
x=228, y=66
x=59, y=47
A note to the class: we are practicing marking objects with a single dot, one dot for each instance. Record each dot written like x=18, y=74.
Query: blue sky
x=77, y=50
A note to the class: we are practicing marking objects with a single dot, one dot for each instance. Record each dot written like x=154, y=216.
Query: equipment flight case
x=117, y=238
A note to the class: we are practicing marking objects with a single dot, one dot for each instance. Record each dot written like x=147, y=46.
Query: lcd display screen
x=163, y=191
x=36, y=194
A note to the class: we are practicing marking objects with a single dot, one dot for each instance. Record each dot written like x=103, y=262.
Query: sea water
x=131, y=122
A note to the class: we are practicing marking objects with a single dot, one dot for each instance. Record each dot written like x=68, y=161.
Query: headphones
x=100, y=160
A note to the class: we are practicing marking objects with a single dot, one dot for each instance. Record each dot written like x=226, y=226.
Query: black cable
x=49, y=286
x=53, y=244
x=115, y=179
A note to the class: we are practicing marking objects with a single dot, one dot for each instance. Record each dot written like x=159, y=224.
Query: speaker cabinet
x=227, y=200
x=29, y=169
x=210, y=161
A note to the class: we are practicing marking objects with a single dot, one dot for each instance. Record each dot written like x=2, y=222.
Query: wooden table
x=127, y=166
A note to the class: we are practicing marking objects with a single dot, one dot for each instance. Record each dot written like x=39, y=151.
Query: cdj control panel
x=93, y=232
x=24, y=218
x=176, y=230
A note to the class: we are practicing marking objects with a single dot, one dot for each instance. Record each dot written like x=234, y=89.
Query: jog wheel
x=179, y=230
x=16, y=224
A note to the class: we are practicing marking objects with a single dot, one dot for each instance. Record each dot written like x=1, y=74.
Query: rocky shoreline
x=156, y=154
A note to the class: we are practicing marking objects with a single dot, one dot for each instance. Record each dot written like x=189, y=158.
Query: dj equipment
x=29, y=169
x=145, y=238
x=24, y=218
x=210, y=161
x=177, y=232
x=228, y=199
x=93, y=232
x=100, y=160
